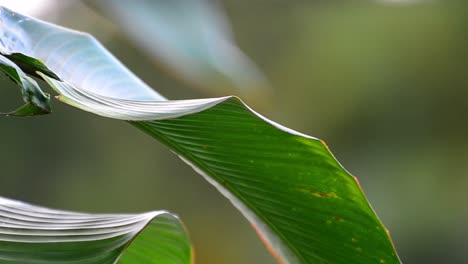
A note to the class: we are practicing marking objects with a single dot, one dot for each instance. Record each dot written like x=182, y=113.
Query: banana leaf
x=303, y=204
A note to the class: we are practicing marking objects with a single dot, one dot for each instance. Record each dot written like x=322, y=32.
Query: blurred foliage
x=383, y=83
x=191, y=39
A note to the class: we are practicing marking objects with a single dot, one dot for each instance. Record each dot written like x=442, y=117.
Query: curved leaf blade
x=287, y=184
x=307, y=208
x=37, y=235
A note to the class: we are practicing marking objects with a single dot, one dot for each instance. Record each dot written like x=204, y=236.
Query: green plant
x=304, y=205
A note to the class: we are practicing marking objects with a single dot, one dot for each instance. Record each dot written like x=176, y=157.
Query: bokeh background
x=383, y=82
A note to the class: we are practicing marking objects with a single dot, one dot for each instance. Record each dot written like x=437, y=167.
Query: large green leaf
x=305, y=206
x=37, y=235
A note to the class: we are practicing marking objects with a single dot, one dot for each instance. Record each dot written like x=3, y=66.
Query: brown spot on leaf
x=326, y=146
x=320, y=194
x=338, y=219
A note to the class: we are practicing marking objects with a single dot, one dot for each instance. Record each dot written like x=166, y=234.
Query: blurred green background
x=384, y=83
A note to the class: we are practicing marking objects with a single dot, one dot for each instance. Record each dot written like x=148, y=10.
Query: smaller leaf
x=26, y=110
x=30, y=65
x=37, y=102
x=36, y=235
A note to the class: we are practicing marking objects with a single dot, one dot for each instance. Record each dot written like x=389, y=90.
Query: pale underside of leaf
x=134, y=110
x=37, y=235
x=70, y=55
